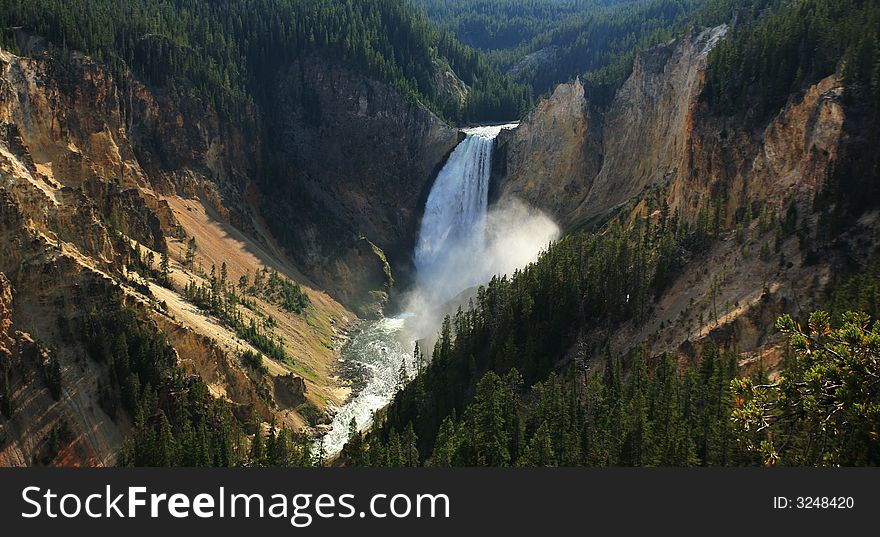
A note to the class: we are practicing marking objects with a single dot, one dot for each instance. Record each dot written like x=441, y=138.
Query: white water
x=460, y=244
x=454, y=221
x=378, y=351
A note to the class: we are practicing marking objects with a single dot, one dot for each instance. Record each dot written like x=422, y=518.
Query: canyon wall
x=365, y=157
x=656, y=137
x=101, y=177
x=658, y=152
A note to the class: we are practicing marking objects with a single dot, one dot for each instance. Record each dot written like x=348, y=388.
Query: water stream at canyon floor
x=461, y=244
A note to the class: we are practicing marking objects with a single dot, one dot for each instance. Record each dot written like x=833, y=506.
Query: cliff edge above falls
x=551, y=159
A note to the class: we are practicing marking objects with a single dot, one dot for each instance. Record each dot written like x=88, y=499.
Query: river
x=451, y=236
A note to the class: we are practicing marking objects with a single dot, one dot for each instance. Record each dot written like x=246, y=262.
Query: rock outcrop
x=657, y=137
x=658, y=146
x=576, y=164
x=365, y=157
x=97, y=180
x=551, y=159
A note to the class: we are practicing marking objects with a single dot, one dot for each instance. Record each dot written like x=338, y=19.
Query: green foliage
x=530, y=320
x=595, y=38
x=7, y=406
x=514, y=334
x=254, y=360
x=59, y=437
x=668, y=418
x=825, y=408
x=191, y=249
x=218, y=298
x=227, y=53
x=287, y=293
x=279, y=448
x=502, y=24
x=277, y=289
x=165, y=270
x=177, y=422
x=858, y=292
x=143, y=263
x=779, y=47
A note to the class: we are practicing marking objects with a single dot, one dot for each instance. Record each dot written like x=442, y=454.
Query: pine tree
x=396, y=455
x=540, y=449
x=354, y=449
x=166, y=455
x=191, y=252
x=165, y=268
x=445, y=446
x=409, y=444
x=6, y=403
x=243, y=283
x=257, y=454
x=490, y=430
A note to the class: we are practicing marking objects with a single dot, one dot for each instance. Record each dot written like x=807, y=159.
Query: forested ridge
x=777, y=46
x=781, y=47
x=503, y=24
x=545, y=42
x=175, y=419
x=229, y=51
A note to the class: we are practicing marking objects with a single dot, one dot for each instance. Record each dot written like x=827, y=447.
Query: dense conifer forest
x=227, y=52
x=492, y=393
x=541, y=43
x=499, y=387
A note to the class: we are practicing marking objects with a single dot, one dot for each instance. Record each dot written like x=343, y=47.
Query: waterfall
x=460, y=244
x=453, y=230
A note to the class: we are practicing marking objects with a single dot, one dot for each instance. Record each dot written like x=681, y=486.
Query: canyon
x=328, y=190
x=658, y=152
x=100, y=173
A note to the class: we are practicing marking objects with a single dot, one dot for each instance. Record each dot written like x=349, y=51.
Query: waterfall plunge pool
x=452, y=233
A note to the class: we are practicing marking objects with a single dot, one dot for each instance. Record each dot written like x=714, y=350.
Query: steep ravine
x=459, y=246
x=656, y=146
x=94, y=171
x=93, y=174
x=365, y=158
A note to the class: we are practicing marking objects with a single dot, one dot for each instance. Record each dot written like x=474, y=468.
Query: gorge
x=462, y=242
x=241, y=228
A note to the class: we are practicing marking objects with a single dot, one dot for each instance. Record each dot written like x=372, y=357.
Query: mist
x=509, y=237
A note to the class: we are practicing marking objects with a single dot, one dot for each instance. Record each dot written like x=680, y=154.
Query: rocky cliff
x=579, y=165
x=551, y=159
x=365, y=157
x=102, y=177
x=657, y=151
x=99, y=179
